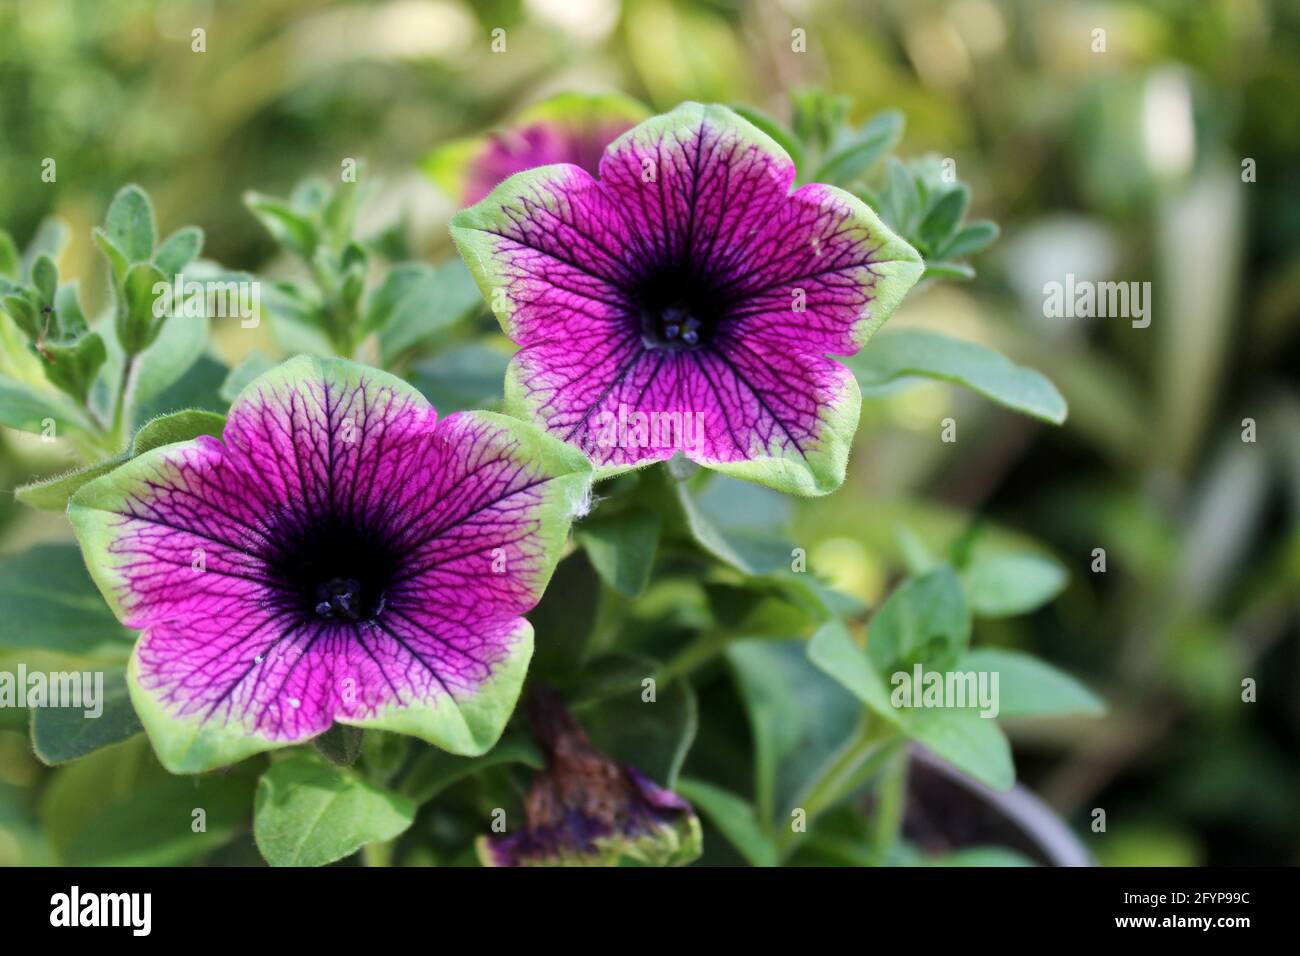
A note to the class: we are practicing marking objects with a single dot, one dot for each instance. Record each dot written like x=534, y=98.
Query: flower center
x=335, y=570
x=679, y=309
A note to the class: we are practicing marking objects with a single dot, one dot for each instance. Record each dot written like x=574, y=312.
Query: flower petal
x=186, y=543
x=567, y=128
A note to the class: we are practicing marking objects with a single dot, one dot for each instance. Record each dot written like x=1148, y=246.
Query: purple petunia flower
x=584, y=809
x=340, y=556
x=567, y=128
x=687, y=300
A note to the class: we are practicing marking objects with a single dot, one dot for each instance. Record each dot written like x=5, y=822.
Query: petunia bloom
x=567, y=128
x=340, y=555
x=687, y=301
x=583, y=809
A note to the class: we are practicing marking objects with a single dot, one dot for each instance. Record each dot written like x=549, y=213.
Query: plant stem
x=119, y=403
x=872, y=743
x=891, y=795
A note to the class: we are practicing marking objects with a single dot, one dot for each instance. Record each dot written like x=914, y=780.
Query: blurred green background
x=1125, y=164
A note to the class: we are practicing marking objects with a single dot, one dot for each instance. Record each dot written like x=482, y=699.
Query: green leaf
x=1004, y=585
x=310, y=813
x=52, y=494
x=925, y=620
x=915, y=352
x=622, y=548
x=71, y=366
x=941, y=222
x=140, y=815
x=416, y=301
x=60, y=734
x=969, y=240
x=462, y=377
x=130, y=224
x=961, y=737
x=434, y=770
x=734, y=818
x=48, y=601
x=181, y=248
x=900, y=204
x=878, y=136
x=45, y=279
x=937, y=269
x=51, y=238
x=1028, y=687
x=775, y=716
x=799, y=719
x=286, y=226
x=177, y=427
x=654, y=736
x=117, y=260
x=752, y=553
x=253, y=365
x=28, y=409
x=138, y=326
x=340, y=744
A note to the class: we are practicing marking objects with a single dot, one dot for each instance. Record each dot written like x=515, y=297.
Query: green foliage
x=309, y=812
x=680, y=579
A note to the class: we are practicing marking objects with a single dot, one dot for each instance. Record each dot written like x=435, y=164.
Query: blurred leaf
x=622, y=548
x=27, y=409
x=417, y=301
x=775, y=717
x=939, y=269
x=10, y=267
x=48, y=601
x=340, y=744
x=52, y=494
x=141, y=815
x=253, y=365
x=138, y=326
x=60, y=734
x=181, y=248
x=565, y=617
x=1028, y=687
x=309, y=813
x=915, y=352
x=433, y=771
x=51, y=239
x=129, y=224
x=462, y=377
x=287, y=227
x=877, y=137
x=654, y=736
x=925, y=620
x=1004, y=585
x=971, y=743
x=733, y=817
x=943, y=218
x=969, y=240
x=799, y=718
